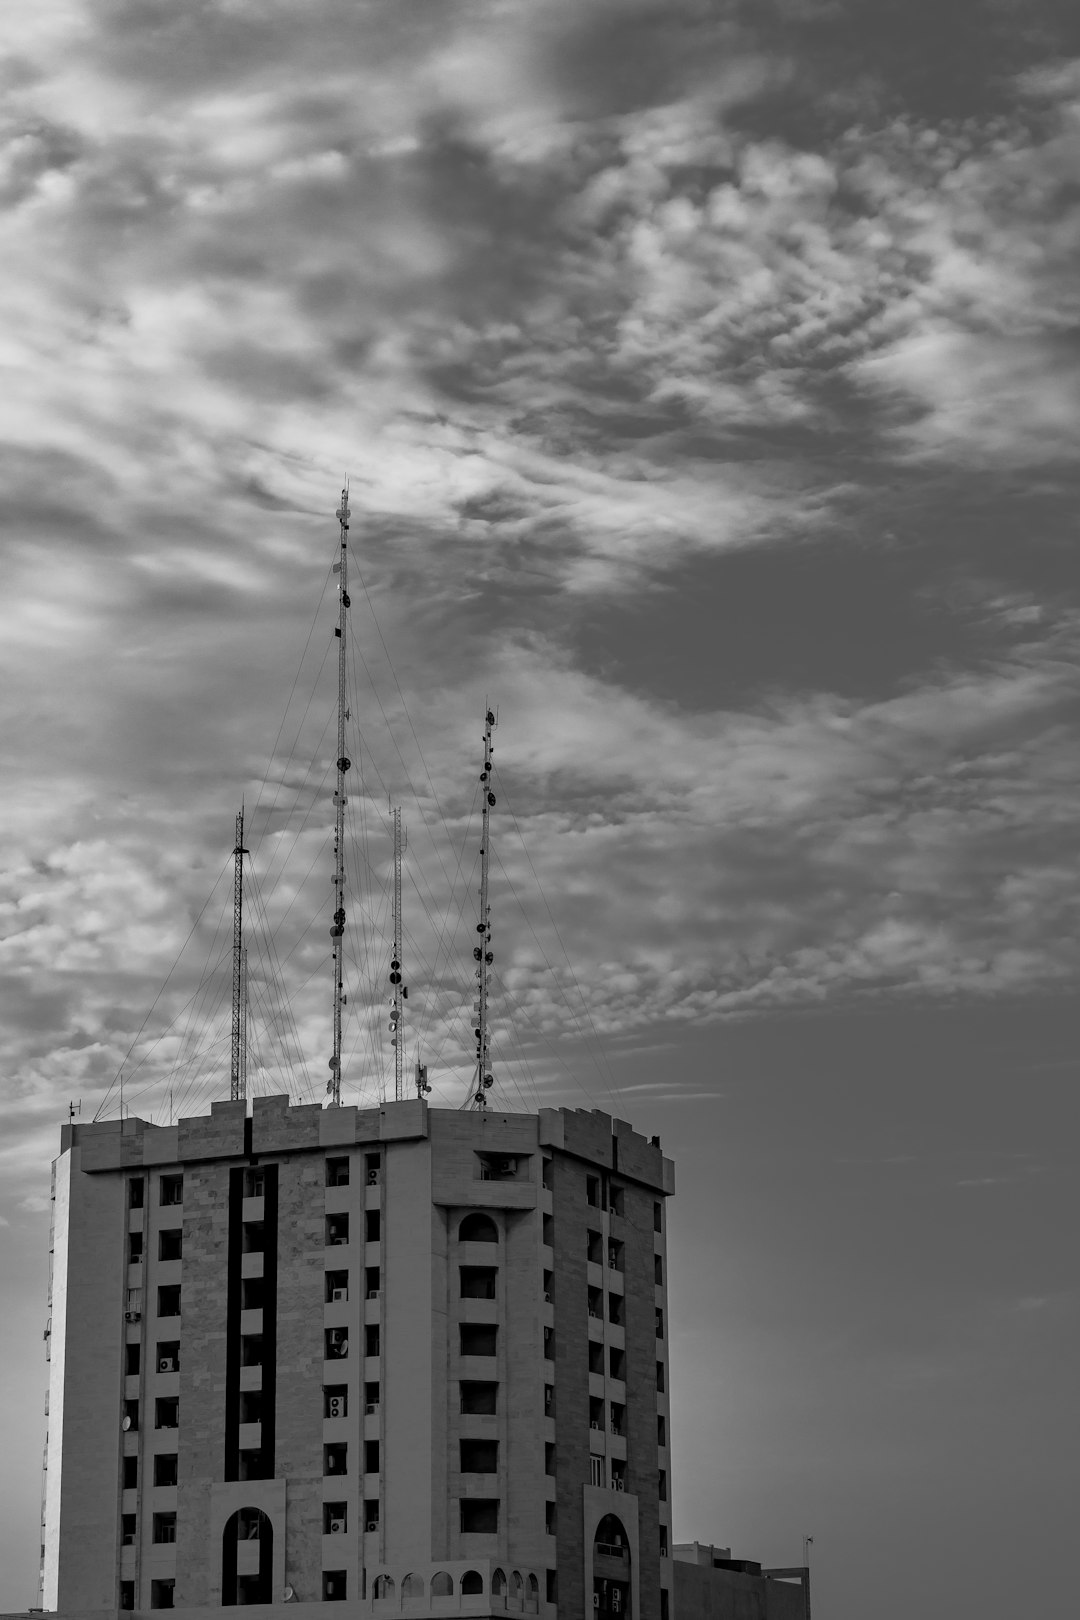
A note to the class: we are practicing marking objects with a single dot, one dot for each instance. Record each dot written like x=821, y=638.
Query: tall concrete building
x=406, y=1359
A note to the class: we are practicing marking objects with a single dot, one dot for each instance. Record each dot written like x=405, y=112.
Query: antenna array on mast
x=482, y=953
x=398, y=991
x=337, y=929
x=237, y=1074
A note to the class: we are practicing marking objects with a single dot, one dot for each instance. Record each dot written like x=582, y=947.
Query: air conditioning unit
x=133, y=1316
x=613, y=1265
x=338, y=1296
x=616, y=1601
x=612, y=1210
x=372, y=1524
x=507, y=1167
x=547, y=1299
x=336, y=1406
x=373, y=1178
x=596, y=1600
x=166, y=1364
x=128, y=1540
x=374, y=1293
x=618, y=1484
x=337, y=1527
x=371, y=1408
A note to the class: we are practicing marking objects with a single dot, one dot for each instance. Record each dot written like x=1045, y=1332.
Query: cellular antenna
x=237, y=1077
x=399, y=993
x=337, y=930
x=482, y=952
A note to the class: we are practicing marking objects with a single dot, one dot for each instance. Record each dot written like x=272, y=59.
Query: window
x=337, y=1230
x=168, y=1355
x=594, y=1248
x=252, y=1293
x=170, y=1243
x=596, y=1303
x=596, y=1357
x=659, y=1323
x=251, y=1350
x=660, y=1377
x=664, y=1604
x=549, y=1400
x=479, y=1516
x=335, y=1400
x=251, y=1406
x=478, y=1338
x=663, y=1541
x=615, y=1310
x=161, y=1593
x=549, y=1285
x=333, y=1585
x=372, y=1282
x=336, y=1459
x=383, y=1587
x=478, y=1399
x=618, y=1474
x=547, y=1176
x=336, y=1287
x=596, y=1412
x=478, y=1229
x=615, y=1201
x=371, y=1339
x=547, y=1234
x=335, y=1344
x=171, y=1190
x=133, y=1304
x=616, y=1362
x=442, y=1584
x=132, y=1359
x=135, y=1248
x=129, y=1473
x=135, y=1192
x=661, y=1429
x=549, y=1518
x=167, y=1412
x=165, y=1468
x=164, y=1527
x=551, y=1586
x=337, y=1172
x=253, y=1465
x=371, y=1396
x=498, y=1583
x=479, y=1456
x=169, y=1300
x=658, y=1217
x=596, y=1471
x=371, y=1515
x=549, y=1456
x=127, y=1594
x=549, y=1344
x=131, y=1415
x=615, y=1255
x=254, y=1183
x=592, y=1191
x=127, y=1529
x=661, y=1484
x=335, y=1520
x=371, y=1456
x=478, y=1282
x=658, y=1271
x=372, y=1168
x=253, y=1237
x=618, y=1418
x=472, y=1582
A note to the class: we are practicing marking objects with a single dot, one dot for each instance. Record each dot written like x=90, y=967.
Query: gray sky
x=708, y=380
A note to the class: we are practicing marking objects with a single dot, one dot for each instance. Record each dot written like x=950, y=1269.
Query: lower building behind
x=709, y=1584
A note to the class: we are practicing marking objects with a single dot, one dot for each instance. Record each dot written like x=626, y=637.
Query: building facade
x=407, y=1359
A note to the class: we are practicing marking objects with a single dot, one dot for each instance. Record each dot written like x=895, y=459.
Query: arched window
x=247, y=1524
x=442, y=1584
x=471, y=1582
x=478, y=1229
x=533, y=1587
x=517, y=1589
x=610, y=1533
x=383, y=1587
x=412, y=1589
x=498, y=1583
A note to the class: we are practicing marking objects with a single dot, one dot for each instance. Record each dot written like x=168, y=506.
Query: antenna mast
x=337, y=930
x=237, y=1089
x=398, y=992
x=243, y=1021
x=482, y=953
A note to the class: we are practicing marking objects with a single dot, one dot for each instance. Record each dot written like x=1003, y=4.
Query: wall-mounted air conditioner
x=594, y=1425
x=373, y=1178
x=596, y=1600
x=128, y=1540
x=133, y=1316
x=371, y=1408
x=337, y=1527
x=338, y=1296
x=336, y=1406
x=166, y=1364
x=374, y=1293
x=373, y=1524
x=507, y=1167
x=619, y=1484
x=547, y=1299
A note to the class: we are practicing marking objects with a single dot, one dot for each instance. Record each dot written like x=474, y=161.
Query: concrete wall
x=702, y=1593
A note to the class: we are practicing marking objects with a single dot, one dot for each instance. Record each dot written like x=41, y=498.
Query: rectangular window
x=549, y=1285
x=592, y=1191
x=251, y=1350
x=665, y=1610
x=337, y=1287
x=479, y=1399
x=253, y=1237
x=132, y=1359
x=165, y=1468
x=618, y=1474
x=661, y=1484
x=546, y=1174
x=253, y=1465
x=371, y=1456
x=164, y=1528
x=596, y=1303
x=479, y=1456
x=663, y=1541
x=127, y=1594
x=549, y=1456
x=169, y=1300
x=133, y=1304
x=135, y=1192
x=547, y=1234
x=371, y=1513
x=171, y=1190
x=660, y=1377
x=615, y=1309
x=252, y=1293
x=371, y=1397
x=335, y=1518
x=478, y=1282
x=254, y=1183
x=334, y=1585
x=549, y=1344
x=167, y=1412
x=335, y=1400
x=161, y=1593
x=478, y=1338
x=170, y=1243
x=549, y=1400
x=659, y=1323
x=658, y=1271
x=372, y=1225
x=371, y=1339
x=596, y=1412
x=372, y=1282
x=551, y=1586
x=615, y=1255
x=596, y=1357
x=337, y=1230
x=618, y=1418
x=658, y=1217
x=594, y=1248
x=131, y=1415
x=615, y=1201
x=549, y=1518
x=372, y=1168
x=251, y=1406
x=135, y=1248
x=168, y=1356
x=479, y=1516
x=596, y=1471
x=130, y=1473
x=337, y=1172
x=336, y=1459
x=335, y=1344
x=127, y=1529
x=661, y=1429
x=616, y=1362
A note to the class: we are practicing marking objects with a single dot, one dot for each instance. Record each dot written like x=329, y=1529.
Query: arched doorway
x=611, y=1570
x=239, y=1582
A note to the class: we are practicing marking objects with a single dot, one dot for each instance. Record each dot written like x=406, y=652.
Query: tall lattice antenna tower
x=482, y=952
x=337, y=928
x=237, y=1068
x=399, y=993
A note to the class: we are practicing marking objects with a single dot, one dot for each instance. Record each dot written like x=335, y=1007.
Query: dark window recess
x=592, y=1191
x=371, y=1456
x=136, y=1192
x=618, y=1474
x=168, y=1356
x=479, y=1456
x=254, y=1183
x=594, y=1248
x=371, y=1339
x=659, y=1323
x=551, y=1586
x=164, y=1528
x=372, y=1226
x=161, y=1593
x=337, y=1172
x=372, y=1282
x=615, y=1256
x=547, y=1234
x=170, y=1243
x=165, y=1468
x=251, y=1350
x=547, y=1173
x=251, y=1406
x=478, y=1338
x=660, y=1376
x=371, y=1396
x=615, y=1309
x=335, y=1518
x=664, y=1604
x=132, y=1359
x=129, y=1473
x=337, y=1287
x=549, y=1456
x=549, y=1344
x=596, y=1303
x=168, y=1300
x=337, y=1230
x=661, y=1429
x=478, y=1229
x=616, y=1362
x=549, y=1285
x=167, y=1412
x=664, y=1549
x=253, y=1465
x=596, y=1412
x=252, y=1293
x=479, y=1516
x=549, y=1400
x=372, y=1168
x=336, y=1459
x=171, y=1190
x=472, y=1583
x=253, y=1237
x=127, y=1529
x=334, y=1586
x=658, y=1270
x=658, y=1217
x=371, y=1513
x=127, y=1594
x=618, y=1418
x=478, y=1399
x=335, y=1400
x=335, y=1344
x=616, y=1204
x=549, y=1518
x=478, y=1282
x=661, y=1484
x=596, y=1357
x=135, y=1248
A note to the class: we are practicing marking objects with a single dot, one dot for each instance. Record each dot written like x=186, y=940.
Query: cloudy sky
x=707, y=376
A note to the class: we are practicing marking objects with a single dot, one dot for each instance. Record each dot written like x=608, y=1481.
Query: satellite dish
x=288, y=1594
x=126, y=1424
